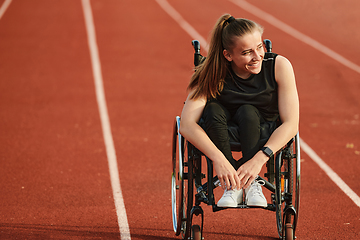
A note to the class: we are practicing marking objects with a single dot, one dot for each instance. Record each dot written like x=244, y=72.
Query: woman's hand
x=189, y=128
x=227, y=175
x=248, y=171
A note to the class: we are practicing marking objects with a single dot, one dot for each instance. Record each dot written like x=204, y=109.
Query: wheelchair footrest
x=270, y=207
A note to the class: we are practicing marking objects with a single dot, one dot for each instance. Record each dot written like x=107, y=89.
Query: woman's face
x=247, y=55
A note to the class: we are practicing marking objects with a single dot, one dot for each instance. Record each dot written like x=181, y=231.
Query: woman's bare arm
x=190, y=129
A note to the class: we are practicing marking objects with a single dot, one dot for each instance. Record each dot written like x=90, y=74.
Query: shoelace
x=229, y=192
x=255, y=187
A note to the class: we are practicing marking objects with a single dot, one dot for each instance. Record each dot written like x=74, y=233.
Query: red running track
x=55, y=181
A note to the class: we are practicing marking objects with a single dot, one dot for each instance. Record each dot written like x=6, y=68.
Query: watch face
x=267, y=151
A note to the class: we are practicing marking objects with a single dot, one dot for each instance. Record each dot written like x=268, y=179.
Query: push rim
x=182, y=184
x=176, y=178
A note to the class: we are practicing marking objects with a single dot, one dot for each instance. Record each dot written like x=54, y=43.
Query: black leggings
x=252, y=130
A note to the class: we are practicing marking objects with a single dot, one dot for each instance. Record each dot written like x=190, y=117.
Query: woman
x=236, y=84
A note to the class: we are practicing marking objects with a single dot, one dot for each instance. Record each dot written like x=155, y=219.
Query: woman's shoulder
x=283, y=69
x=282, y=60
x=282, y=64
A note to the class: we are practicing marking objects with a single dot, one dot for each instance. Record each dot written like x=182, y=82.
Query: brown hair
x=208, y=79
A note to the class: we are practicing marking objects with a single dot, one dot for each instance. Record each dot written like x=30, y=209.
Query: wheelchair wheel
x=287, y=194
x=195, y=232
x=181, y=184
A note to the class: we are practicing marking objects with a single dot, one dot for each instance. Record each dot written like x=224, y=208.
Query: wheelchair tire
x=287, y=189
x=181, y=184
x=289, y=232
x=196, y=232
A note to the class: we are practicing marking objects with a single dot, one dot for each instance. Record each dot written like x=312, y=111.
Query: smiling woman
x=239, y=83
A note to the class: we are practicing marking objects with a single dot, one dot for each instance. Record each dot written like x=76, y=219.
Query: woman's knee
x=215, y=112
x=248, y=114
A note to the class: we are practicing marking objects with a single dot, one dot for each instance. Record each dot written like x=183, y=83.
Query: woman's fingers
x=249, y=181
x=228, y=185
x=246, y=178
x=243, y=178
x=226, y=174
x=230, y=181
x=222, y=183
x=249, y=171
x=236, y=182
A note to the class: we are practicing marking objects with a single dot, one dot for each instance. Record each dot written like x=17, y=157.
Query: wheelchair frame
x=282, y=180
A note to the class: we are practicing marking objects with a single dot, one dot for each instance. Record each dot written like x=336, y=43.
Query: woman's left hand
x=251, y=169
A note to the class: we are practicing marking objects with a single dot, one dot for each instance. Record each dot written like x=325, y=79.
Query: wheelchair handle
x=196, y=45
x=197, y=56
x=268, y=45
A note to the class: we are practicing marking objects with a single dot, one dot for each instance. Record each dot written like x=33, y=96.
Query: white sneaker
x=231, y=198
x=254, y=195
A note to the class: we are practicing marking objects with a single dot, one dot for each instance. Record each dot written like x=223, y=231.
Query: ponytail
x=209, y=77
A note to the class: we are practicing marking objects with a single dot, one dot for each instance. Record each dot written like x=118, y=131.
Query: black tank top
x=259, y=90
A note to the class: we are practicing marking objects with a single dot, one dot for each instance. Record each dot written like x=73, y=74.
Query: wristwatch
x=268, y=152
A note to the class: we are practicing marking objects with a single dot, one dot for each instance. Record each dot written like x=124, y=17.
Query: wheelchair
x=190, y=187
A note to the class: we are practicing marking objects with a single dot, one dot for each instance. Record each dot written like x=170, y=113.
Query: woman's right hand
x=227, y=174
x=189, y=128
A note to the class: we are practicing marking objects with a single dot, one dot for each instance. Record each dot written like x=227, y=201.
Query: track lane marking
x=331, y=174
x=311, y=153
x=181, y=21
x=4, y=6
x=105, y=123
x=295, y=33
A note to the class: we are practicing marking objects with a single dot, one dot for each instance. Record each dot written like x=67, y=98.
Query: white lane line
x=105, y=123
x=332, y=175
x=311, y=153
x=180, y=20
x=296, y=34
x=4, y=6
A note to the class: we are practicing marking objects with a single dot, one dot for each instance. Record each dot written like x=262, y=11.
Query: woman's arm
x=190, y=129
x=288, y=103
